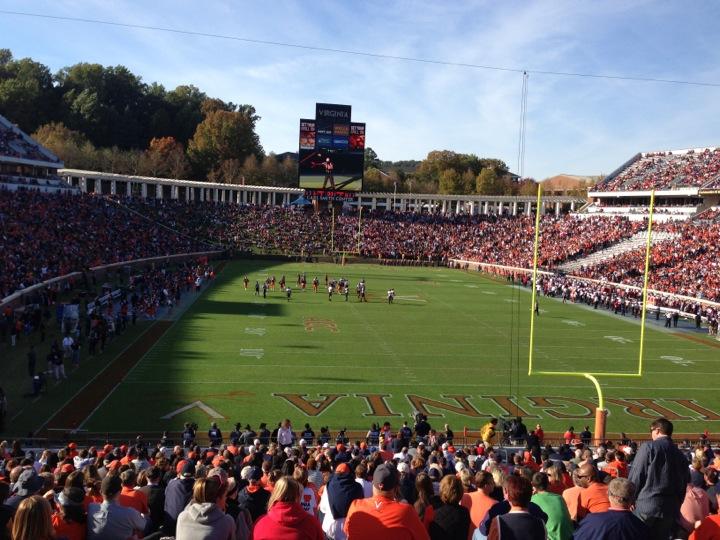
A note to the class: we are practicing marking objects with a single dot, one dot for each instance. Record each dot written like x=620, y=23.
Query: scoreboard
x=332, y=150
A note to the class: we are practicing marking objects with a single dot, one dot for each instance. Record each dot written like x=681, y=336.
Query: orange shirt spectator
x=709, y=529
x=382, y=517
x=593, y=498
x=69, y=530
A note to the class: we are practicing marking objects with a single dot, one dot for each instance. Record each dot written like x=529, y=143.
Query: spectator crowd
x=14, y=145
x=48, y=235
x=391, y=484
x=688, y=264
x=667, y=170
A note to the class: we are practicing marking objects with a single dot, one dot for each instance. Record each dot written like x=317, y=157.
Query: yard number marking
x=678, y=360
x=572, y=323
x=619, y=339
x=256, y=331
x=254, y=353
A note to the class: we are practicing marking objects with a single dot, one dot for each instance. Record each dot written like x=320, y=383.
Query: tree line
x=107, y=118
x=444, y=171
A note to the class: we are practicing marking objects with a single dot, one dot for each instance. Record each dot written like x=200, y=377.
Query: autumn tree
x=224, y=135
x=165, y=157
x=229, y=171
x=451, y=182
x=72, y=147
x=487, y=183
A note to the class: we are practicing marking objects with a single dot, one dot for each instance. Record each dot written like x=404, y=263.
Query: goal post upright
x=534, y=278
x=646, y=279
x=600, y=412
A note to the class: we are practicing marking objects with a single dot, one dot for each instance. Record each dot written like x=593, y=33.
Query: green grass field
x=453, y=343
x=315, y=181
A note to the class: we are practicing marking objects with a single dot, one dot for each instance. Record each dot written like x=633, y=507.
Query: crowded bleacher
x=15, y=144
x=688, y=265
x=667, y=170
x=409, y=481
x=50, y=235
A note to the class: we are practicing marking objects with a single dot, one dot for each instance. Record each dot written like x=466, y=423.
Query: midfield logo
x=311, y=323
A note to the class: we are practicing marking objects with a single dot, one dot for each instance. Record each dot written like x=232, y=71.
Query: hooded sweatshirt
x=287, y=521
x=204, y=521
x=177, y=496
x=342, y=490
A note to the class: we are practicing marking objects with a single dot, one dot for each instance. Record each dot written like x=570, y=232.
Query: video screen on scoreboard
x=356, y=142
x=307, y=134
x=332, y=150
x=328, y=168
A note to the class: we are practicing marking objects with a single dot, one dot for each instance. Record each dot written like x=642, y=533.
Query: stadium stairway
x=634, y=242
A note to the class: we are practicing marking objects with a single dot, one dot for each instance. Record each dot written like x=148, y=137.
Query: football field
x=454, y=345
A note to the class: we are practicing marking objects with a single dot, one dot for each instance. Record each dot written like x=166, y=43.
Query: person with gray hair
x=617, y=523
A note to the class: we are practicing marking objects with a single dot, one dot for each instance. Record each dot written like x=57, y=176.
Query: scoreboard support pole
x=332, y=231
x=359, y=233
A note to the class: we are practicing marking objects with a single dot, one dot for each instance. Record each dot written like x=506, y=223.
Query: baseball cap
x=255, y=473
x=343, y=468
x=403, y=467
x=385, y=477
x=28, y=483
x=185, y=468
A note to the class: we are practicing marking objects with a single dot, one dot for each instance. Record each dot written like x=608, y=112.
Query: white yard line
x=246, y=383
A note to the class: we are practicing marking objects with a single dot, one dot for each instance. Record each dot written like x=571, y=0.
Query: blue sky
x=575, y=125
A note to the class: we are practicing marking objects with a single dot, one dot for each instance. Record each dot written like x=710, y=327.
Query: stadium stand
x=260, y=484
x=667, y=170
x=24, y=164
x=48, y=235
x=278, y=484
x=688, y=264
x=16, y=144
x=90, y=230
